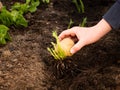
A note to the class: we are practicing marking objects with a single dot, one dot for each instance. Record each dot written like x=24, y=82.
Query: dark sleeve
x=113, y=15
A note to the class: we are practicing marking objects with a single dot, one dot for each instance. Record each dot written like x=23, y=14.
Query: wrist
x=103, y=27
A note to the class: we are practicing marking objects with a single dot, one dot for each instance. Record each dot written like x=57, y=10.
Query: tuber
x=61, y=49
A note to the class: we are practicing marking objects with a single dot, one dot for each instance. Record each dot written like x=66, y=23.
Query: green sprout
x=70, y=24
x=79, y=5
x=83, y=22
x=57, y=52
x=4, y=35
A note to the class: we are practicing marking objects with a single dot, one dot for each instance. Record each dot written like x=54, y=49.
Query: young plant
x=29, y=6
x=46, y=1
x=79, y=5
x=12, y=18
x=4, y=35
x=70, y=24
x=18, y=19
x=83, y=22
x=61, y=49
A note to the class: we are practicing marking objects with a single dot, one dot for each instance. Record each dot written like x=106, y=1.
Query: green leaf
x=28, y=1
x=5, y=17
x=14, y=15
x=33, y=5
x=7, y=37
x=79, y=5
x=45, y=1
x=82, y=6
x=70, y=24
x=21, y=8
x=30, y=5
x=19, y=19
x=4, y=35
x=32, y=9
x=57, y=52
x=83, y=22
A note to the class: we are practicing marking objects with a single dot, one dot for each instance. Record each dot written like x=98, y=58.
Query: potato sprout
x=61, y=49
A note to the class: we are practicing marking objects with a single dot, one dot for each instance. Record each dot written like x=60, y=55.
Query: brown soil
x=25, y=63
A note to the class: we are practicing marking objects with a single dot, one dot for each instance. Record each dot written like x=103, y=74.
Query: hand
x=86, y=35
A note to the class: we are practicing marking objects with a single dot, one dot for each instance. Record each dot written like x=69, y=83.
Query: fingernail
x=72, y=51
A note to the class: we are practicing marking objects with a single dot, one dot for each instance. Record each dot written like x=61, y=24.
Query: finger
x=66, y=33
x=77, y=47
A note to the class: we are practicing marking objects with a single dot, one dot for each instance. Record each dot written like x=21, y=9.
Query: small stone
x=6, y=53
x=15, y=60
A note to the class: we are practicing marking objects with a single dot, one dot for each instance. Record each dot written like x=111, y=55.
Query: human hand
x=86, y=35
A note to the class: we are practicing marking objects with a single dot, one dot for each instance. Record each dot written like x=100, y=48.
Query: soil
x=25, y=63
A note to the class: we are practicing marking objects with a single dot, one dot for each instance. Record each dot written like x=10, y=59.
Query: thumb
x=76, y=47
